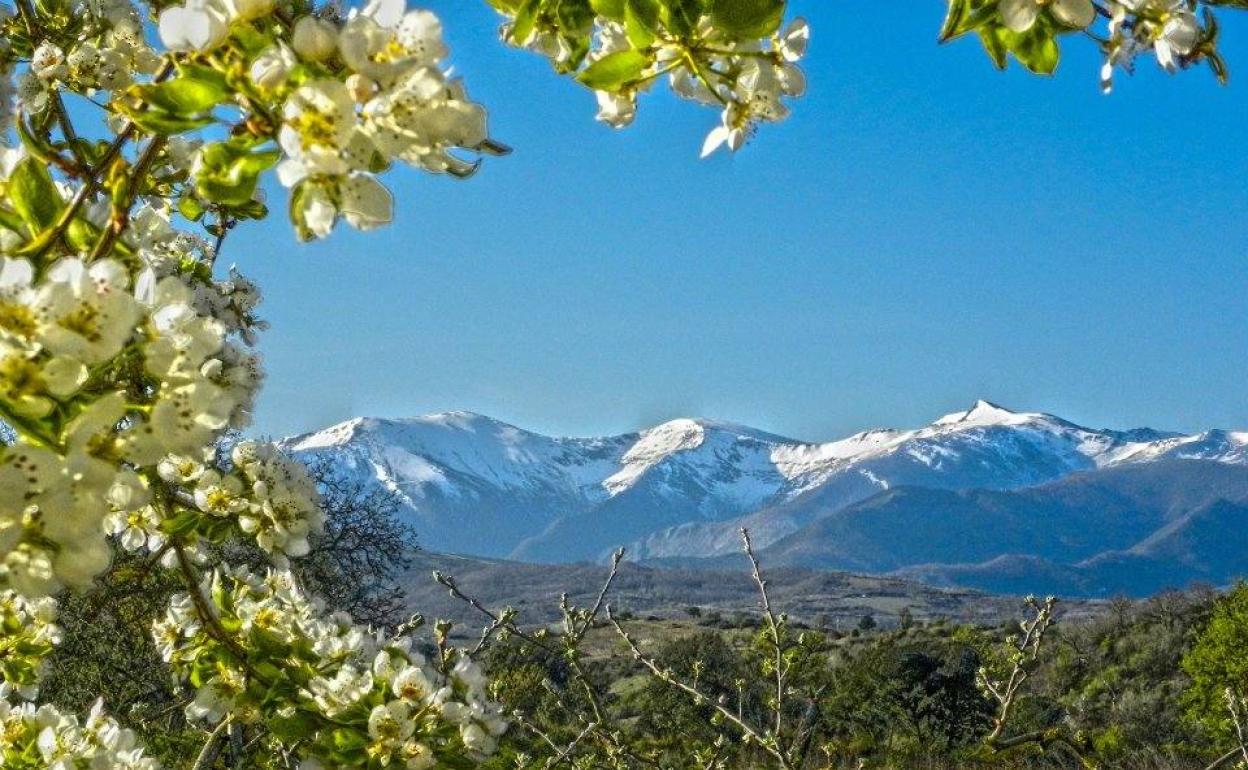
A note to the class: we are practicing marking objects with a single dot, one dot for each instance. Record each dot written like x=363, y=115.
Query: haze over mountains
x=985, y=497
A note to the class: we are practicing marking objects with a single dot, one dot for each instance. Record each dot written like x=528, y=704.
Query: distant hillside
x=1202, y=546
x=1132, y=529
x=839, y=599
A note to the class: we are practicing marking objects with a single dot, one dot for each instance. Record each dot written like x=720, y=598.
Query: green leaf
x=253, y=210
x=575, y=17
x=747, y=18
x=34, y=196
x=1036, y=49
x=35, y=143
x=294, y=727
x=612, y=9
x=683, y=15
x=297, y=211
x=229, y=174
x=1217, y=65
x=251, y=40
x=11, y=221
x=578, y=48
x=525, y=21
x=190, y=207
x=641, y=21
x=994, y=45
x=191, y=93
x=965, y=16
x=953, y=19
x=82, y=235
x=160, y=122
x=613, y=71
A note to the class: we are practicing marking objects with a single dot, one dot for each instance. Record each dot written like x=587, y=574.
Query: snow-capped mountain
x=474, y=485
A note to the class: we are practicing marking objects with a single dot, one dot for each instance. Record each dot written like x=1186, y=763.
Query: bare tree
x=356, y=563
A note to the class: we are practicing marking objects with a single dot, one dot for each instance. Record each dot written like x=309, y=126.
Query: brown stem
x=773, y=627
x=1223, y=760
x=45, y=240
x=1044, y=739
x=121, y=210
x=212, y=747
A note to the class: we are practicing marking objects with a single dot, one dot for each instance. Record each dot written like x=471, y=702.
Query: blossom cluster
x=29, y=633
x=386, y=705
x=1171, y=30
x=350, y=95
x=99, y=46
x=126, y=358
x=104, y=379
x=259, y=493
x=746, y=69
x=45, y=737
x=747, y=79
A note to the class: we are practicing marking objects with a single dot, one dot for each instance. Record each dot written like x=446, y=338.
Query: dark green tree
x=1218, y=667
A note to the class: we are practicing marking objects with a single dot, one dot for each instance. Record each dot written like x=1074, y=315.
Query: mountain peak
x=459, y=418
x=983, y=412
x=666, y=439
x=703, y=427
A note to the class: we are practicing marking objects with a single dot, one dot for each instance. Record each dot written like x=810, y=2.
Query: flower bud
x=271, y=68
x=315, y=40
x=252, y=9
x=211, y=368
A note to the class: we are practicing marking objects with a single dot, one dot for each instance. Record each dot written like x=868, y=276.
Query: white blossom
x=314, y=39
x=1021, y=15
x=196, y=25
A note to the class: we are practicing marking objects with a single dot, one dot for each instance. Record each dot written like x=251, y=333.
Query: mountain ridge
x=683, y=488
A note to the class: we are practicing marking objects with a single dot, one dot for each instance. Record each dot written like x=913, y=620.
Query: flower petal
x=1074, y=13
x=1019, y=15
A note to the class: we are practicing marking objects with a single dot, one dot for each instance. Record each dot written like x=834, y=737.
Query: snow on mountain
x=475, y=485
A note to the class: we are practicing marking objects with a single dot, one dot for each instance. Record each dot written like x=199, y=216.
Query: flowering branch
x=1178, y=33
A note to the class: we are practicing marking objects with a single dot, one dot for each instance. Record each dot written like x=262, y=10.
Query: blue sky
x=924, y=231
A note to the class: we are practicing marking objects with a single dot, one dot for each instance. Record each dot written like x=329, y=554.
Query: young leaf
x=33, y=195
x=82, y=235
x=190, y=207
x=188, y=94
x=525, y=21
x=641, y=21
x=994, y=45
x=612, y=9
x=160, y=122
x=613, y=71
x=965, y=16
x=229, y=175
x=1036, y=48
x=747, y=18
x=575, y=17
x=683, y=15
x=953, y=19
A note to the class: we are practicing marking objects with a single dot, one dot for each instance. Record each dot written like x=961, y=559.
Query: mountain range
x=986, y=497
